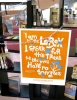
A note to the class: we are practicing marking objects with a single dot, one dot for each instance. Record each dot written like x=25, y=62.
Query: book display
x=31, y=17
x=11, y=86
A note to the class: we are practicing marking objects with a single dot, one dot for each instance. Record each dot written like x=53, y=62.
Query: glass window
x=70, y=13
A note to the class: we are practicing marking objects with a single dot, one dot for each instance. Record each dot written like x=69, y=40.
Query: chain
x=56, y=31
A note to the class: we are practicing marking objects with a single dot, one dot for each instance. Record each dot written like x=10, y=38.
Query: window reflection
x=70, y=12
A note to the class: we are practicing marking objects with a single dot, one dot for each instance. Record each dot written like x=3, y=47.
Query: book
x=34, y=15
x=45, y=91
x=14, y=84
x=15, y=37
x=70, y=90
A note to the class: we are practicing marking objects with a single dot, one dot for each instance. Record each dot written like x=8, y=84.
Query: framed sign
x=44, y=55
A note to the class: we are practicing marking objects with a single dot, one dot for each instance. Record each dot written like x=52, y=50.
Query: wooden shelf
x=14, y=51
x=11, y=40
x=45, y=99
x=45, y=27
x=12, y=3
x=70, y=25
x=3, y=38
x=24, y=92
